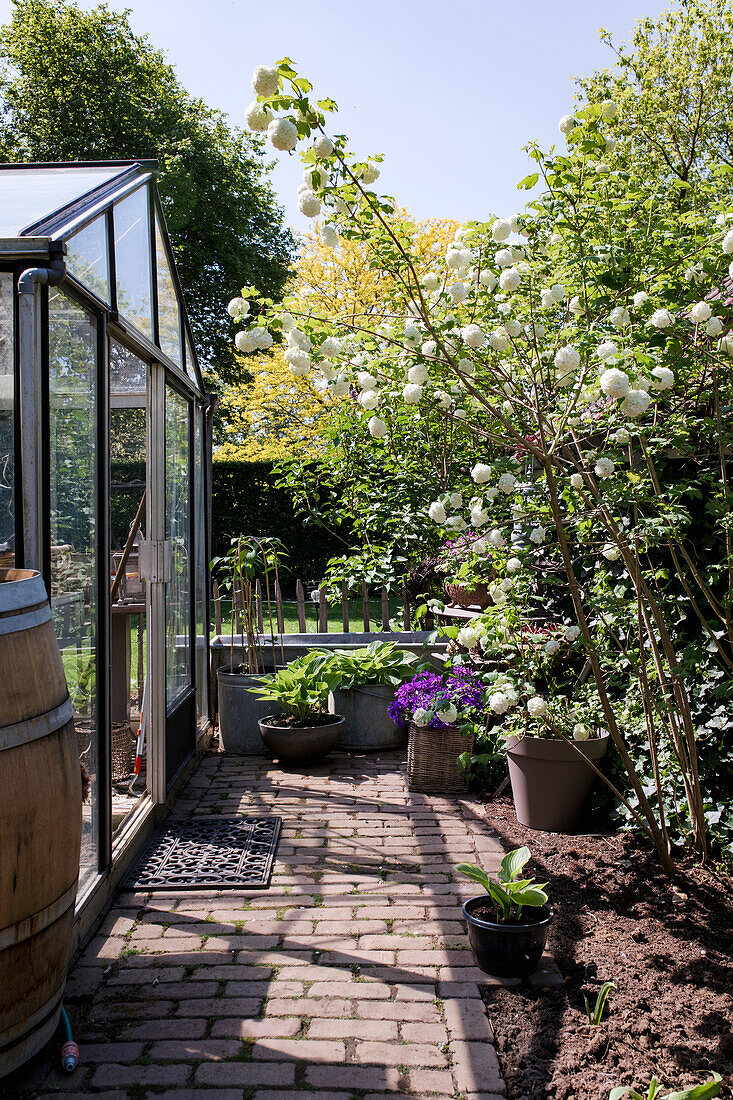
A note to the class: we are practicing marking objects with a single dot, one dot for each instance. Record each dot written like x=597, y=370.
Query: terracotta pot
x=468, y=597
x=301, y=742
x=507, y=950
x=550, y=781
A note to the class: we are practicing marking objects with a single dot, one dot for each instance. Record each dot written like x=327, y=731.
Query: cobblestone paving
x=350, y=977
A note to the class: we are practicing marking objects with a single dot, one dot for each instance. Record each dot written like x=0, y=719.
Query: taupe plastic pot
x=550, y=781
x=301, y=743
x=369, y=727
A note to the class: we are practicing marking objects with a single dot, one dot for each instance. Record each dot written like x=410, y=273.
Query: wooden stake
x=300, y=600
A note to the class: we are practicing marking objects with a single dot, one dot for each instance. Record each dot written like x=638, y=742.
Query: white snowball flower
x=412, y=334
x=260, y=339
x=377, y=427
x=265, y=80
x=238, y=308
x=456, y=523
x=609, y=109
x=455, y=258
x=491, y=493
x=728, y=243
x=567, y=358
x=620, y=317
x=437, y=513
x=455, y=500
x=537, y=535
x=466, y=368
x=635, y=404
x=498, y=340
x=621, y=436
x=447, y=715
x=714, y=327
x=257, y=116
x=513, y=565
x=498, y=595
x=481, y=473
x=572, y=633
x=567, y=124
x=580, y=732
x=496, y=539
x=286, y=321
x=431, y=282
x=412, y=393
x=644, y=384
x=500, y=230
x=700, y=313
x=487, y=278
x=615, y=383
x=458, y=293
x=558, y=292
x=661, y=318
x=366, y=380
x=610, y=143
x=726, y=344
x=309, y=204
x=606, y=350
x=368, y=400
x=421, y=716
x=299, y=339
x=329, y=236
x=506, y=483
x=468, y=636
x=576, y=480
x=299, y=360
x=537, y=706
x=369, y=174
x=418, y=374
x=242, y=342
x=547, y=300
x=444, y=399
x=611, y=552
x=640, y=298
x=323, y=146
x=576, y=306
x=330, y=347
x=499, y=702
x=663, y=378
x=513, y=328
x=509, y=280
x=314, y=177
x=551, y=647
x=473, y=336
x=429, y=348
x=504, y=258
x=479, y=516
x=604, y=467
x=340, y=385
x=283, y=134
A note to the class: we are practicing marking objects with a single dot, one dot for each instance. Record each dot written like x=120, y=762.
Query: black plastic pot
x=507, y=950
x=301, y=742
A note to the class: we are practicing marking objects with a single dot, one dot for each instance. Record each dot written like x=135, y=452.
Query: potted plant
x=369, y=678
x=467, y=565
x=508, y=924
x=303, y=729
x=441, y=711
x=239, y=711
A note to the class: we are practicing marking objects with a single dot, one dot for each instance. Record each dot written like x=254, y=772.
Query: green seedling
x=595, y=1014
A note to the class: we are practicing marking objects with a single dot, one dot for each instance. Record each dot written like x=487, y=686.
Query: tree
x=78, y=85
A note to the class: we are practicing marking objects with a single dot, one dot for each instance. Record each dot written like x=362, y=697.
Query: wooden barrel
x=40, y=820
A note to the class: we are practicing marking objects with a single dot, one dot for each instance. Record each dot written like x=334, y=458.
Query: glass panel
x=128, y=431
x=132, y=259
x=29, y=194
x=191, y=363
x=72, y=424
x=7, y=424
x=178, y=530
x=88, y=258
x=202, y=626
x=169, y=321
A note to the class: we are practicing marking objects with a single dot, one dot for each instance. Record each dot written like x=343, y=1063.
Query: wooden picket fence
x=278, y=615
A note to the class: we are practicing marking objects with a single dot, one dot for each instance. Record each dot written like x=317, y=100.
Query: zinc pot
x=240, y=712
x=301, y=742
x=507, y=950
x=551, y=781
x=369, y=727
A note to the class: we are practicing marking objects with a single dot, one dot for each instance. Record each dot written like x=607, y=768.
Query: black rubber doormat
x=221, y=853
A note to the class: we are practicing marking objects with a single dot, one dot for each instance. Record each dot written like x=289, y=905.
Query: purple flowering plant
x=432, y=692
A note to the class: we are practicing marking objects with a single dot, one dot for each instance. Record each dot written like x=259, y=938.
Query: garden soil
x=667, y=945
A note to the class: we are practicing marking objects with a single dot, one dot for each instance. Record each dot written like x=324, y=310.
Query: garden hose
x=69, y=1051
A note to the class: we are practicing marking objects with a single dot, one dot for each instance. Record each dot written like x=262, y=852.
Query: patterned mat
x=219, y=852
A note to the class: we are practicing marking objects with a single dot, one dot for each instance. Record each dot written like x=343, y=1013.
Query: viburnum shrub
x=591, y=371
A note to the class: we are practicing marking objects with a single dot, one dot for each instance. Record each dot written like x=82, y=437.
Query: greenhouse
x=103, y=480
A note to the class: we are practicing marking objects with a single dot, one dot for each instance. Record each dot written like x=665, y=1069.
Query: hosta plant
x=509, y=894
x=698, y=1092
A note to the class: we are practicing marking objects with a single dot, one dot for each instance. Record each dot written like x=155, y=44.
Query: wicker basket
x=468, y=597
x=122, y=744
x=431, y=759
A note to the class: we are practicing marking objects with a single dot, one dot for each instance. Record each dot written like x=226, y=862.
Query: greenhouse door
x=172, y=602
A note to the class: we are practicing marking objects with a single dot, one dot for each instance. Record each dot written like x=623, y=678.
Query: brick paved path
x=350, y=977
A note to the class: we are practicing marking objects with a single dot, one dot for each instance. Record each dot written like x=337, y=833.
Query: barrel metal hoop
x=13, y=623
x=36, y=922
x=23, y=1030
x=32, y=729
x=15, y=595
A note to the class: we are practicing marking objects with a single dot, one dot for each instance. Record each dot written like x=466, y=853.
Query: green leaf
x=475, y=873
x=528, y=182
x=512, y=863
x=699, y=1092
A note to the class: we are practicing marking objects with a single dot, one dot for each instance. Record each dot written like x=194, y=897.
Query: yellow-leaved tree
x=278, y=415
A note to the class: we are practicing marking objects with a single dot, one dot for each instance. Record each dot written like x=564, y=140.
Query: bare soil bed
x=668, y=946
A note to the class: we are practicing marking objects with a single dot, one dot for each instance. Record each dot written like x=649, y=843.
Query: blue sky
x=448, y=90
